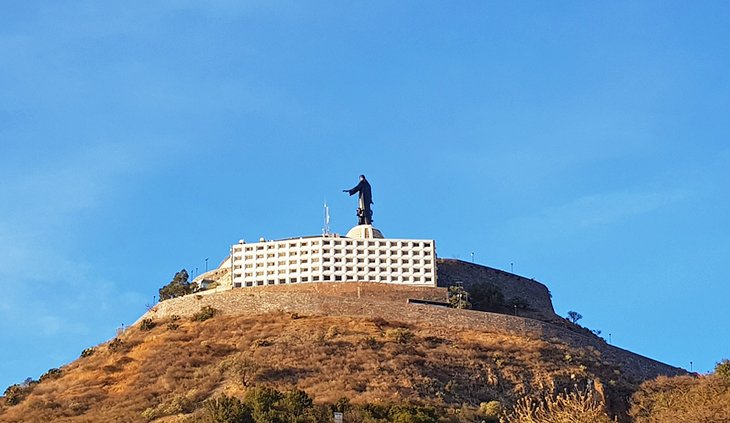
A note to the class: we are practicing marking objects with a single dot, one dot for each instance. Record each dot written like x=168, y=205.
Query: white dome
x=364, y=232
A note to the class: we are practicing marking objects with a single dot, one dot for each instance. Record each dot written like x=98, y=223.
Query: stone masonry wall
x=451, y=271
x=389, y=302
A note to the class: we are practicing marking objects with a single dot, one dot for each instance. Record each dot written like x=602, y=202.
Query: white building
x=361, y=256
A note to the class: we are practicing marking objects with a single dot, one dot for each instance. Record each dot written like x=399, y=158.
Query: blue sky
x=586, y=143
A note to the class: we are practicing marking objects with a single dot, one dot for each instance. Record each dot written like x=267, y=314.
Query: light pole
x=206, y=265
x=472, y=257
x=512, y=268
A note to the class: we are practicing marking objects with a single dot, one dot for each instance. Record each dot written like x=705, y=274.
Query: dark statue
x=364, y=212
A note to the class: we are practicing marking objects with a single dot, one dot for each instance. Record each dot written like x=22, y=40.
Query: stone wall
x=389, y=302
x=540, y=306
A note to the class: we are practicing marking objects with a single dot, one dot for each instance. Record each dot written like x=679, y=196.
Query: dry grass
x=567, y=407
x=171, y=370
x=682, y=399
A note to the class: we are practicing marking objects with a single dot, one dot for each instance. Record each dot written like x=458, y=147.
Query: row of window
x=334, y=278
x=330, y=261
x=325, y=270
x=338, y=252
x=337, y=242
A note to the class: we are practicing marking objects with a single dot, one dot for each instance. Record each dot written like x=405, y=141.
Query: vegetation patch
x=147, y=324
x=88, y=352
x=399, y=335
x=205, y=313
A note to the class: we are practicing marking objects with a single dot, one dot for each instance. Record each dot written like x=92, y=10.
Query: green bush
x=173, y=324
x=296, y=403
x=262, y=402
x=205, y=313
x=51, y=374
x=88, y=352
x=412, y=414
x=491, y=411
x=459, y=298
x=147, y=324
x=722, y=369
x=371, y=342
x=14, y=394
x=225, y=409
x=115, y=345
x=399, y=335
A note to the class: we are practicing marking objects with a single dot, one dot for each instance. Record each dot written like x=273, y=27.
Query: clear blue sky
x=585, y=142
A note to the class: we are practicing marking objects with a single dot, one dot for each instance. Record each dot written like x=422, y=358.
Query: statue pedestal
x=364, y=232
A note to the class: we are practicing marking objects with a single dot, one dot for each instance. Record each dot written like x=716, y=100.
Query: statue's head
x=362, y=177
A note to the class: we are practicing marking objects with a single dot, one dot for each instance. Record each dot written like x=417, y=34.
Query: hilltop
x=362, y=341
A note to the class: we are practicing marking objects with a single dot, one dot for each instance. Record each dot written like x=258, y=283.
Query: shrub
x=565, y=407
x=176, y=405
x=722, y=369
x=333, y=331
x=51, y=374
x=459, y=298
x=682, y=399
x=399, y=335
x=296, y=402
x=245, y=370
x=147, y=324
x=262, y=402
x=115, y=345
x=88, y=352
x=173, y=323
x=491, y=411
x=371, y=342
x=262, y=343
x=412, y=414
x=14, y=394
x=225, y=409
x=205, y=313
x=341, y=405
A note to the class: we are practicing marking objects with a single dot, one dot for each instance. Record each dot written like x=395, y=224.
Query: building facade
x=361, y=256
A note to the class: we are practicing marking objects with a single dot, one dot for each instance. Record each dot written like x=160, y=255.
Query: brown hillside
x=330, y=342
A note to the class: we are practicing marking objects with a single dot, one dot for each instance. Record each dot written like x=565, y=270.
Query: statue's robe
x=365, y=200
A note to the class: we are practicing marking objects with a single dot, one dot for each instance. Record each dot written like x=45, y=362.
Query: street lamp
x=206, y=264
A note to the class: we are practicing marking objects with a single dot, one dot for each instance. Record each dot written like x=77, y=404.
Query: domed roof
x=364, y=232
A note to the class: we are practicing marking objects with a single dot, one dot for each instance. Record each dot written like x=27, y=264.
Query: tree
x=574, y=316
x=296, y=404
x=458, y=297
x=178, y=287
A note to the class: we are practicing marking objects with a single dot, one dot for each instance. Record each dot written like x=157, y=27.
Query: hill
x=355, y=340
